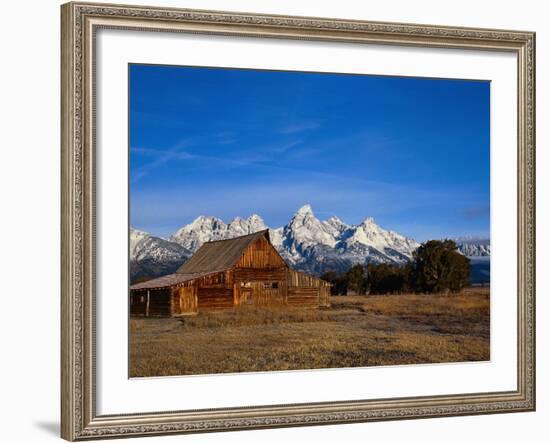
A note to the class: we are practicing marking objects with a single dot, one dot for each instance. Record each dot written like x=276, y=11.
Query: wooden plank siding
x=255, y=274
x=260, y=254
x=215, y=298
x=307, y=291
x=301, y=279
x=212, y=281
x=184, y=300
x=306, y=297
x=324, y=296
x=260, y=293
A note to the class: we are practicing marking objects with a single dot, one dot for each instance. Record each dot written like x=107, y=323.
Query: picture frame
x=80, y=23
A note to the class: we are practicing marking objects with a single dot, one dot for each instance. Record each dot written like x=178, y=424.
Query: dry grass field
x=354, y=331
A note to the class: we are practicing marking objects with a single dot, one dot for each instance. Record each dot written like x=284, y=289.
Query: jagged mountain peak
x=204, y=220
x=256, y=222
x=304, y=229
x=240, y=226
x=336, y=225
x=136, y=233
x=304, y=218
x=333, y=219
x=255, y=217
x=369, y=222
x=304, y=210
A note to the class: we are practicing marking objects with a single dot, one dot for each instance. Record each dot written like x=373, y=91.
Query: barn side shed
x=243, y=271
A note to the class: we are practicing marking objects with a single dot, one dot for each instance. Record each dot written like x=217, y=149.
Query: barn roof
x=221, y=254
x=168, y=280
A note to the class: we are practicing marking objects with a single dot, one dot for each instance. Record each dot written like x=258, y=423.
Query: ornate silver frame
x=80, y=21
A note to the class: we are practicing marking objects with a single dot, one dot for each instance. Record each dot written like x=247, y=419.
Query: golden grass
x=249, y=316
x=355, y=331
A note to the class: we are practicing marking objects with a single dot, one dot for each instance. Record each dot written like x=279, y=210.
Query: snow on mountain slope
x=475, y=250
x=474, y=246
x=144, y=245
x=336, y=226
x=152, y=256
x=276, y=236
x=368, y=233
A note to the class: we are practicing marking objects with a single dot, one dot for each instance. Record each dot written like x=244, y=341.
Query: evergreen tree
x=439, y=267
x=356, y=279
x=387, y=279
x=339, y=286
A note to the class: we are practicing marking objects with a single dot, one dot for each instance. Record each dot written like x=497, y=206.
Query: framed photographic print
x=283, y=221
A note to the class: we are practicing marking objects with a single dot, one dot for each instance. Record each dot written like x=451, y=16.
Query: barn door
x=188, y=300
x=246, y=296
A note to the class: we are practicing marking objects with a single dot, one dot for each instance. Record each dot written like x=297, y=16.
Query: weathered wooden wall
x=255, y=274
x=214, y=298
x=301, y=279
x=324, y=296
x=307, y=291
x=260, y=254
x=138, y=303
x=159, y=303
x=184, y=300
x=151, y=303
x=258, y=293
x=303, y=297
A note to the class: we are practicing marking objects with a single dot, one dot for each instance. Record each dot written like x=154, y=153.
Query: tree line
x=437, y=266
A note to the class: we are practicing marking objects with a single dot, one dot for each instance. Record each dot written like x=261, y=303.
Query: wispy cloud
x=297, y=127
x=161, y=157
x=225, y=138
x=476, y=212
x=260, y=156
x=273, y=151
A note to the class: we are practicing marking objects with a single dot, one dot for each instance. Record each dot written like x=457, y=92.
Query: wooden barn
x=224, y=274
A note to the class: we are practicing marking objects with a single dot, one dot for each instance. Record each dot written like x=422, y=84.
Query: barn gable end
x=260, y=254
x=221, y=254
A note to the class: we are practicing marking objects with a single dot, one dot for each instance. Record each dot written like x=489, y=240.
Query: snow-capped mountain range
x=474, y=246
x=306, y=243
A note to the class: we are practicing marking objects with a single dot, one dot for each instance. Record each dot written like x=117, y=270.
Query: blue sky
x=411, y=152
